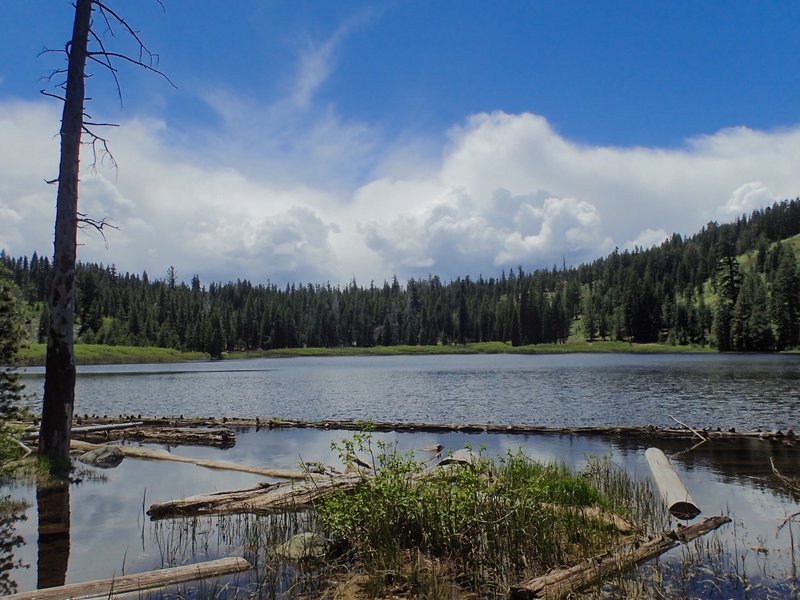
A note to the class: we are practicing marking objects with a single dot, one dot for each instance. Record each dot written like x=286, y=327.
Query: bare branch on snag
x=86, y=222
x=133, y=61
x=107, y=62
x=51, y=95
x=91, y=124
x=151, y=62
x=94, y=141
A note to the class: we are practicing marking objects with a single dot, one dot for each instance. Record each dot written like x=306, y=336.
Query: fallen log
x=264, y=498
x=139, y=582
x=675, y=495
x=156, y=454
x=561, y=582
x=34, y=435
x=788, y=436
x=222, y=437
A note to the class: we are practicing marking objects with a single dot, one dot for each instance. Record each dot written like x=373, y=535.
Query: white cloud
x=506, y=190
x=746, y=198
x=647, y=238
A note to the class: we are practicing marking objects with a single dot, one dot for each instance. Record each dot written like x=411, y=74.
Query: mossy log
x=138, y=582
x=562, y=582
x=264, y=498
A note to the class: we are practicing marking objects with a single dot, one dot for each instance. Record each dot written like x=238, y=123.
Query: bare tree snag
x=59, y=384
x=562, y=582
x=59, y=381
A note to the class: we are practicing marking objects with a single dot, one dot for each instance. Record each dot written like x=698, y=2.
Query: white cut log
x=679, y=503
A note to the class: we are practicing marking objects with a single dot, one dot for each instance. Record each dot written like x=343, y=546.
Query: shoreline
x=95, y=354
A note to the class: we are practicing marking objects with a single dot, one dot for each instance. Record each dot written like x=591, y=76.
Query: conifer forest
x=734, y=287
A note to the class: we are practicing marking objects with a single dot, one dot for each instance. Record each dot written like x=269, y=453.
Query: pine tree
x=785, y=306
x=10, y=337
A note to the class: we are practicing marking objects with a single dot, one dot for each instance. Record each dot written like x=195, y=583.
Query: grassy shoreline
x=33, y=355
x=96, y=354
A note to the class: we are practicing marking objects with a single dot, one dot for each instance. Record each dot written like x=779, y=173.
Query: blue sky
x=314, y=141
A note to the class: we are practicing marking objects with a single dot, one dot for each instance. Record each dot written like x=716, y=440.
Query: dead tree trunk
x=59, y=382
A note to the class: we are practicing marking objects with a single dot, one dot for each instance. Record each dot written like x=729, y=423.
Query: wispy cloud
x=317, y=59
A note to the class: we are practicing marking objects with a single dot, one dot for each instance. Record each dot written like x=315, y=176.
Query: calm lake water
x=742, y=391
x=109, y=533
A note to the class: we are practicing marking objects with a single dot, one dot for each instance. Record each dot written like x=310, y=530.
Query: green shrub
x=490, y=524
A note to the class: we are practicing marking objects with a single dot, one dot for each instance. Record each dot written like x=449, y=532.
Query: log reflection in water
x=54, y=534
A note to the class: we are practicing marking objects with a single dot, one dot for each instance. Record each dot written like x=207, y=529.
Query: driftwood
x=154, y=454
x=263, y=498
x=222, y=437
x=679, y=503
x=561, y=582
x=34, y=435
x=648, y=431
x=139, y=582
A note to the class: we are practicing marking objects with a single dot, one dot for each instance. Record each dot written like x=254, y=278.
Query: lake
x=704, y=390
x=109, y=534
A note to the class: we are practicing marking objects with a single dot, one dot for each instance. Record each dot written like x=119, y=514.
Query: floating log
x=264, y=498
x=139, y=582
x=562, y=582
x=222, y=437
x=34, y=435
x=673, y=492
x=156, y=454
x=412, y=426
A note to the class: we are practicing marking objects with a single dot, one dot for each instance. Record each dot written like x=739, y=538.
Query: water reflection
x=106, y=534
x=10, y=540
x=52, y=500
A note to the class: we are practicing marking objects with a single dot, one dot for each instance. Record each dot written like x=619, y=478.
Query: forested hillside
x=734, y=286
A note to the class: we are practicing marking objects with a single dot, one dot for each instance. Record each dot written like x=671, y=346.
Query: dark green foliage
x=10, y=338
x=684, y=291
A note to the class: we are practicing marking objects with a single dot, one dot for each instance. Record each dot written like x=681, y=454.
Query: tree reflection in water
x=54, y=521
x=10, y=514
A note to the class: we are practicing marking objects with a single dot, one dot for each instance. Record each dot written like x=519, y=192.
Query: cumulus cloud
x=746, y=198
x=504, y=190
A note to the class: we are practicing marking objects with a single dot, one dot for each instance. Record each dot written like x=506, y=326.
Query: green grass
x=98, y=354
x=477, y=348
x=484, y=526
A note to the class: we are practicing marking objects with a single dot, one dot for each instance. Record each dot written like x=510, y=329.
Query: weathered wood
x=222, y=437
x=34, y=435
x=679, y=503
x=561, y=582
x=139, y=582
x=156, y=454
x=263, y=498
x=629, y=431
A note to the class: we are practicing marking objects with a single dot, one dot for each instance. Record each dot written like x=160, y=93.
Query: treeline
x=734, y=286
